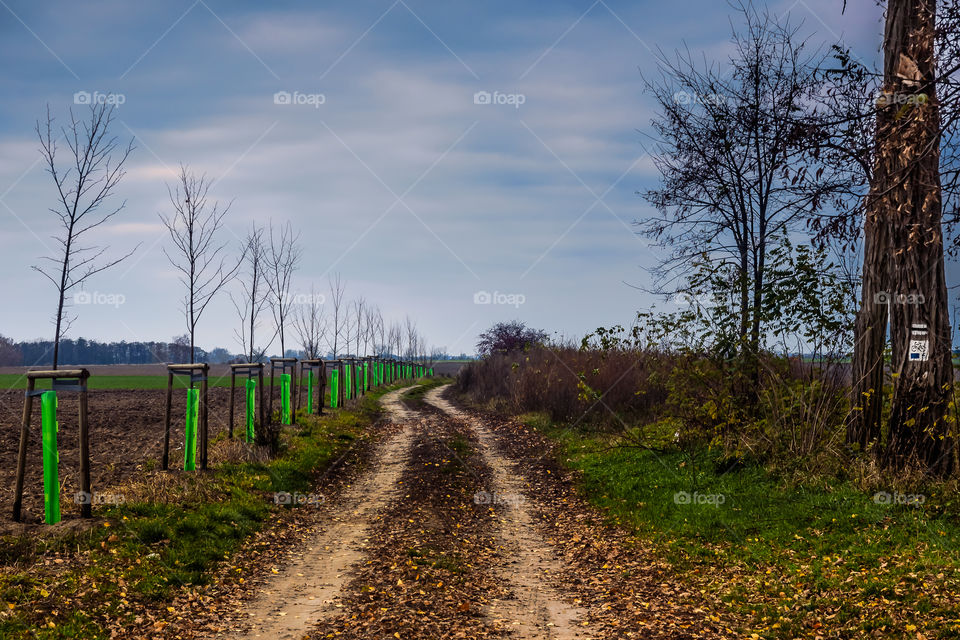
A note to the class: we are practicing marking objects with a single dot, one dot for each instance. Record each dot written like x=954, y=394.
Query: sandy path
x=539, y=612
x=304, y=590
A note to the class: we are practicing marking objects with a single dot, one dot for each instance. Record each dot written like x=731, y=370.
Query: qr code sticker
x=919, y=350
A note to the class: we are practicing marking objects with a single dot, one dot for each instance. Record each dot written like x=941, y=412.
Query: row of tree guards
x=306, y=380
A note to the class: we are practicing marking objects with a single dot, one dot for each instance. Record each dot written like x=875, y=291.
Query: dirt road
x=446, y=536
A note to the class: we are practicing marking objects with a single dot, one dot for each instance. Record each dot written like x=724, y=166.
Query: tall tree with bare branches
x=359, y=311
x=283, y=258
x=310, y=323
x=740, y=172
x=84, y=185
x=337, y=311
x=199, y=255
x=254, y=295
x=395, y=339
x=410, y=336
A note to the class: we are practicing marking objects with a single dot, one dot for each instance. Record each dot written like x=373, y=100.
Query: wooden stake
x=86, y=510
x=204, y=431
x=166, y=424
x=233, y=384
x=22, y=456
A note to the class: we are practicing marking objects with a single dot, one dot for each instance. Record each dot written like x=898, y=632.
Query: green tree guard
x=251, y=406
x=334, y=390
x=51, y=458
x=309, y=390
x=346, y=380
x=285, y=398
x=190, y=436
x=365, y=385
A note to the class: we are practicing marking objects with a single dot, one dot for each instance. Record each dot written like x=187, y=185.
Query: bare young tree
x=283, y=258
x=310, y=323
x=359, y=309
x=337, y=319
x=254, y=296
x=369, y=324
x=375, y=330
x=410, y=335
x=395, y=339
x=84, y=184
x=195, y=228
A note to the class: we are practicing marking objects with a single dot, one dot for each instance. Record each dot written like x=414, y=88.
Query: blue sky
x=419, y=197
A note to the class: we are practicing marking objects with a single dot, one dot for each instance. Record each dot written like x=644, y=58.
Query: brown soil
x=126, y=438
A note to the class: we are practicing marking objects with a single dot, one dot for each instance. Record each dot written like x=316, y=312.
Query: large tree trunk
x=910, y=194
x=870, y=329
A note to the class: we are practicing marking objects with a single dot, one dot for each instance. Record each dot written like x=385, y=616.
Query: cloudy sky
x=383, y=159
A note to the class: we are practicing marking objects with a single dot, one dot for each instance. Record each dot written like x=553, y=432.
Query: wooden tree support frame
x=367, y=367
x=335, y=366
x=250, y=370
x=198, y=373
x=283, y=364
x=372, y=377
x=61, y=380
x=351, y=364
x=341, y=366
x=318, y=366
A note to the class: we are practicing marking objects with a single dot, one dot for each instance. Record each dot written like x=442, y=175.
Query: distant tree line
x=83, y=351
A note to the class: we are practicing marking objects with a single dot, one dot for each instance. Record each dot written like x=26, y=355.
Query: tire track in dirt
x=304, y=591
x=539, y=612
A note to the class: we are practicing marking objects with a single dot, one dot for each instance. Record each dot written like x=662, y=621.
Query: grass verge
x=817, y=559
